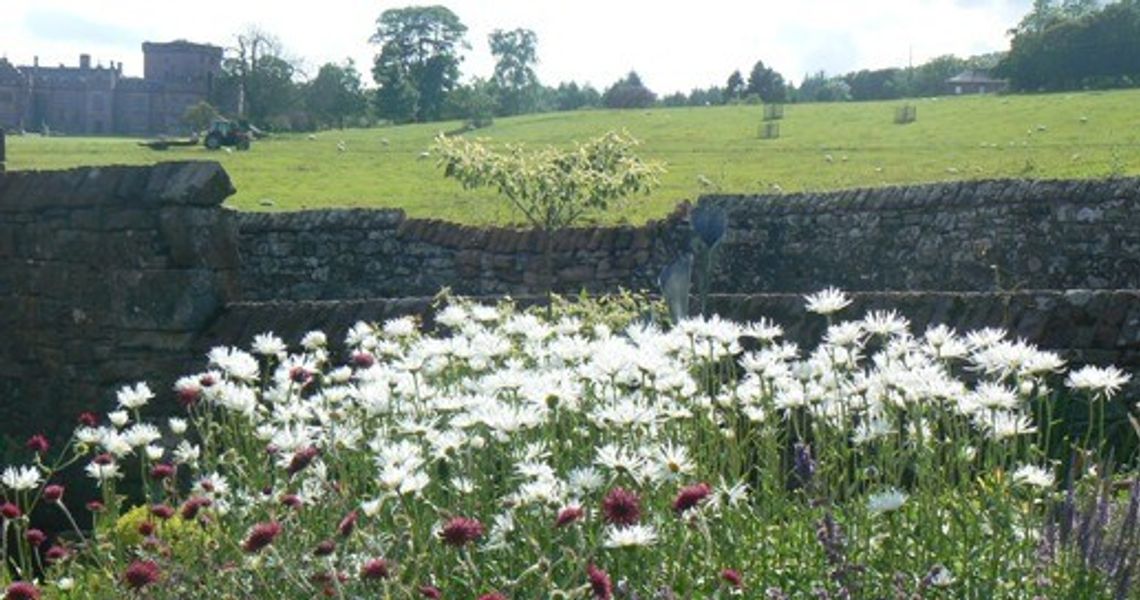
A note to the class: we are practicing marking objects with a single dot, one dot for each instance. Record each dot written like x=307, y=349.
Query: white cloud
x=674, y=46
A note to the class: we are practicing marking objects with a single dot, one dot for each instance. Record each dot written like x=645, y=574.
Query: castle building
x=99, y=100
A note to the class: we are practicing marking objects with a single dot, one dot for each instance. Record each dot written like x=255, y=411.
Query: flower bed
x=590, y=455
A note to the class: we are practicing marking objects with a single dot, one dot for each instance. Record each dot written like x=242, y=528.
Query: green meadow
x=705, y=149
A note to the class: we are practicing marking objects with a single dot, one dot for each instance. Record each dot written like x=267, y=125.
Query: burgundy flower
x=55, y=554
x=363, y=359
x=141, y=573
x=599, y=582
x=493, y=596
x=430, y=591
x=300, y=375
x=568, y=515
x=347, y=524
x=207, y=380
x=325, y=548
x=103, y=459
x=146, y=528
x=162, y=511
x=291, y=500
x=733, y=577
x=301, y=459
x=690, y=496
x=189, y=395
x=461, y=530
x=53, y=492
x=621, y=507
x=22, y=590
x=35, y=537
x=88, y=419
x=38, y=444
x=161, y=471
x=95, y=506
x=10, y=511
x=375, y=568
x=260, y=536
x=192, y=505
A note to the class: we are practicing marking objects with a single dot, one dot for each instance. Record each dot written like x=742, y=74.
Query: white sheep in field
x=341, y=147
x=829, y=158
x=425, y=155
x=312, y=136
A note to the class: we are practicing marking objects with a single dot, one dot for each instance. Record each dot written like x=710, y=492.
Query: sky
x=674, y=46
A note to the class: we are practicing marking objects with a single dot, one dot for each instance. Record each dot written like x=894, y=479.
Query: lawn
x=707, y=149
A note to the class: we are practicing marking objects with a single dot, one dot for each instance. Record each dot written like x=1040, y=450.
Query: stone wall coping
x=940, y=195
x=183, y=183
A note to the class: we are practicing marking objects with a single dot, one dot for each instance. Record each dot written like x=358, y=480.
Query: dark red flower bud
x=141, y=573
x=38, y=444
x=347, y=524
x=261, y=535
x=375, y=568
x=460, y=531
x=53, y=492
x=35, y=537
x=10, y=511
x=161, y=471
x=569, y=515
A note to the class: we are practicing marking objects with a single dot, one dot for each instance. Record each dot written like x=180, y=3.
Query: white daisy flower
x=886, y=501
x=21, y=478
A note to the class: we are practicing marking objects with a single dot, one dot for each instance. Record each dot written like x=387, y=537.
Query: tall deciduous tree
x=766, y=83
x=514, y=82
x=734, y=87
x=418, y=63
x=257, y=78
x=335, y=94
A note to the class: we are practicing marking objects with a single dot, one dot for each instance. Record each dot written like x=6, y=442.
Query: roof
x=181, y=45
x=974, y=77
x=8, y=73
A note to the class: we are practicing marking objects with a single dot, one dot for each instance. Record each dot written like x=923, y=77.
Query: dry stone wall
x=107, y=275
x=354, y=254
x=964, y=236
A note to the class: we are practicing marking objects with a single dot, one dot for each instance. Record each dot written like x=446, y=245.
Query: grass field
x=822, y=146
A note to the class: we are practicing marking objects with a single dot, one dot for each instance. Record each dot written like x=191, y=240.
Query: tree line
x=1060, y=44
x=1075, y=44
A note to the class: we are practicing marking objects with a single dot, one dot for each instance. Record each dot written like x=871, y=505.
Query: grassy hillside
x=823, y=146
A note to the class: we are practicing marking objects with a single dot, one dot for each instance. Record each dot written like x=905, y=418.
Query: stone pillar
x=107, y=274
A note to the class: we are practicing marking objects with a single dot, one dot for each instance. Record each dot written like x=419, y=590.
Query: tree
x=552, y=188
x=881, y=84
x=199, y=116
x=628, y=93
x=474, y=103
x=257, y=79
x=418, y=63
x=734, y=87
x=335, y=94
x=709, y=97
x=569, y=96
x=514, y=81
x=766, y=83
x=821, y=88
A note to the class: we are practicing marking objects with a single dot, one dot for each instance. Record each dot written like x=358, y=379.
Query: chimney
x=35, y=61
x=84, y=61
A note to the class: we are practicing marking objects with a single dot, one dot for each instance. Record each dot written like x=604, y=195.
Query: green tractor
x=224, y=132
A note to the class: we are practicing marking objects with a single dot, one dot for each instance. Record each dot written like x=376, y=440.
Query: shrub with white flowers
x=511, y=455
